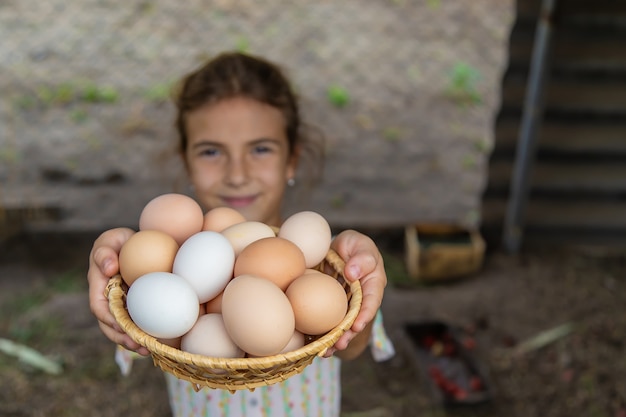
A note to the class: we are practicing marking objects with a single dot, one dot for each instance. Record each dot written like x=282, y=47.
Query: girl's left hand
x=365, y=263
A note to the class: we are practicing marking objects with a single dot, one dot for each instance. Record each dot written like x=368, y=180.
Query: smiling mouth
x=237, y=202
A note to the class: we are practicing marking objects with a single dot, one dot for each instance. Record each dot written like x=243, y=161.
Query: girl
x=241, y=139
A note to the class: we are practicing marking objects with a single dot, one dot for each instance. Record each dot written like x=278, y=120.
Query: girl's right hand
x=103, y=264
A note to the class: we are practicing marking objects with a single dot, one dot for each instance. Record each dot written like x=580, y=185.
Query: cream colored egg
x=310, y=232
x=209, y=337
x=241, y=235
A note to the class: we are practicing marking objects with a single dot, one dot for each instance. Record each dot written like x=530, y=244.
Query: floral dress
x=314, y=392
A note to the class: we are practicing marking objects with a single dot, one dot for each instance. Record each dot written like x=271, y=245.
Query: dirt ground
x=43, y=304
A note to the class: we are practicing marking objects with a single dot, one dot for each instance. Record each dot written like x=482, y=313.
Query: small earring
x=291, y=182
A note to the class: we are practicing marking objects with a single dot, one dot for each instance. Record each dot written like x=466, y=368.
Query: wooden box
x=442, y=251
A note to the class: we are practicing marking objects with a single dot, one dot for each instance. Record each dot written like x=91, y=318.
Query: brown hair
x=235, y=74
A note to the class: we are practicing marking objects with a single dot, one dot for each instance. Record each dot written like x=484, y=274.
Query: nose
x=237, y=173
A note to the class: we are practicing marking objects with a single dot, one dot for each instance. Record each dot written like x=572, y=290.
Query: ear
x=292, y=162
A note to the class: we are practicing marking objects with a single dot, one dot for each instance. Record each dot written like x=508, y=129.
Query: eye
x=262, y=149
x=209, y=152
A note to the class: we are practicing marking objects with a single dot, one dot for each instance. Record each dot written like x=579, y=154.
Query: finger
x=360, y=264
x=372, y=289
x=344, y=340
x=122, y=339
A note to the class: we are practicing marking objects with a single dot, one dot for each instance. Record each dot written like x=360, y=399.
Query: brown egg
x=174, y=342
x=274, y=258
x=319, y=302
x=257, y=315
x=220, y=218
x=178, y=215
x=296, y=342
x=146, y=251
x=214, y=305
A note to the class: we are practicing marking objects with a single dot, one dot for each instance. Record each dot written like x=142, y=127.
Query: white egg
x=162, y=304
x=206, y=261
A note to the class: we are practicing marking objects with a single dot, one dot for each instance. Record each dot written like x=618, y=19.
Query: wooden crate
x=442, y=251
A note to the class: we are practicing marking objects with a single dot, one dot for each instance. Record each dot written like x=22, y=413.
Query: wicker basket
x=237, y=373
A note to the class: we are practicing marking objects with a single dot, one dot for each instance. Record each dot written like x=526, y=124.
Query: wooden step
x=598, y=216
x=569, y=8
x=583, y=51
x=572, y=95
x=565, y=138
x=564, y=179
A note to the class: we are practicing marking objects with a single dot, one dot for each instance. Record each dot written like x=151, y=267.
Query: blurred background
x=405, y=92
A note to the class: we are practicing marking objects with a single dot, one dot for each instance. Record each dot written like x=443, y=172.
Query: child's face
x=238, y=156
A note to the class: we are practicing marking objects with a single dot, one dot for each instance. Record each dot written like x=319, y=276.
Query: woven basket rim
x=116, y=294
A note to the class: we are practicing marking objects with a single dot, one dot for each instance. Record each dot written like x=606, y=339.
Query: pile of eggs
x=218, y=285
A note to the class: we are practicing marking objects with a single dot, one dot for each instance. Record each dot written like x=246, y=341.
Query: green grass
x=160, y=92
x=45, y=329
x=395, y=269
x=462, y=84
x=338, y=96
x=66, y=93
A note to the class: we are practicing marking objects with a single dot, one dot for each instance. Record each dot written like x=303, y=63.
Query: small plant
x=78, y=116
x=9, y=155
x=469, y=161
x=395, y=269
x=159, y=93
x=93, y=93
x=392, y=134
x=338, y=201
x=462, y=84
x=60, y=94
x=66, y=93
x=242, y=45
x=68, y=282
x=482, y=146
x=338, y=96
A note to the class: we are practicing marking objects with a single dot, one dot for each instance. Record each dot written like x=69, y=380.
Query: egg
x=162, y=304
x=206, y=261
x=220, y=218
x=319, y=302
x=310, y=232
x=173, y=342
x=214, y=305
x=178, y=215
x=146, y=251
x=241, y=235
x=209, y=337
x=274, y=258
x=296, y=342
x=257, y=315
